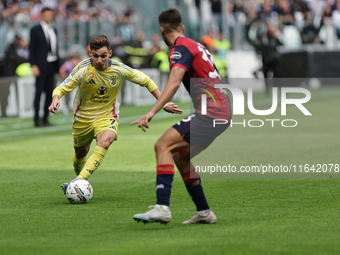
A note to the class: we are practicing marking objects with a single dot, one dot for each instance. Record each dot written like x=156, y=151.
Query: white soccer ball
x=79, y=191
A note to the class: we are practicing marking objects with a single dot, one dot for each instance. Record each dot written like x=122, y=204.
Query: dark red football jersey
x=198, y=63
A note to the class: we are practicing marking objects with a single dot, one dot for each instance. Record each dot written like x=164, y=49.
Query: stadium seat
x=291, y=37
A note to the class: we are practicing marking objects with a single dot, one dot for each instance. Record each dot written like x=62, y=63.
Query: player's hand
x=172, y=108
x=54, y=105
x=144, y=121
x=35, y=70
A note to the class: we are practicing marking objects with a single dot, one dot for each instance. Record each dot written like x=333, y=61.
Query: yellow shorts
x=83, y=132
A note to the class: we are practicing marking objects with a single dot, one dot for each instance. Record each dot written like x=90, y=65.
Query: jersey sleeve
x=138, y=77
x=70, y=83
x=181, y=56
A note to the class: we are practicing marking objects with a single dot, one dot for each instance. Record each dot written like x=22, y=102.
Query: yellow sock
x=93, y=162
x=78, y=164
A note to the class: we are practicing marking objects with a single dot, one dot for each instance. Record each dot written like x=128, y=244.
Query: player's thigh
x=105, y=138
x=106, y=131
x=172, y=141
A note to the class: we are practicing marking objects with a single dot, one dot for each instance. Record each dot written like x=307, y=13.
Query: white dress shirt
x=51, y=37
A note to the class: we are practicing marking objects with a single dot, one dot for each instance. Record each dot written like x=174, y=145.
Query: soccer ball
x=79, y=191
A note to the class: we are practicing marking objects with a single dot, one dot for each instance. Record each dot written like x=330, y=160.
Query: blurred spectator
x=222, y=46
x=309, y=33
x=327, y=13
x=160, y=58
x=267, y=43
x=208, y=41
x=64, y=72
x=231, y=20
x=336, y=18
x=285, y=12
x=138, y=55
x=126, y=29
x=71, y=9
x=251, y=19
x=267, y=14
x=139, y=41
x=15, y=54
x=118, y=51
x=317, y=6
x=300, y=6
x=216, y=8
x=68, y=66
x=155, y=43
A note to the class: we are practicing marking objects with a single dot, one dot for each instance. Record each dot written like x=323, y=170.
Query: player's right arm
x=172, y=85
x=69, y=84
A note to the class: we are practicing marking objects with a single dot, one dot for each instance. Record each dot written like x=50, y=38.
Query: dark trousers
x=44, y=83
x=273, y=66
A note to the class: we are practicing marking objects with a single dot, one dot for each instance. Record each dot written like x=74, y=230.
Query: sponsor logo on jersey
x=91, y=75
x=91, y=81
x=176, y=55
x=102, y=90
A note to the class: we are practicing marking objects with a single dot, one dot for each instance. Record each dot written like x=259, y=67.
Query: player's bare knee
x=105, y=144
x=160, y=147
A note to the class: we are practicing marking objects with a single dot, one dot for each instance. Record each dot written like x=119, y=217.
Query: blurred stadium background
x=309, y=31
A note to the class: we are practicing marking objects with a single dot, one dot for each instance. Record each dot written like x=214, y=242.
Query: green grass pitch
x=255, y=215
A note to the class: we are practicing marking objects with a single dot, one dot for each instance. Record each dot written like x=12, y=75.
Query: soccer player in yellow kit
x=96, y=104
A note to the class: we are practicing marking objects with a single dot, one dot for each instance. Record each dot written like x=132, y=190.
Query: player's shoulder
x=81, y=67
x=120, y=66
x=84, y=63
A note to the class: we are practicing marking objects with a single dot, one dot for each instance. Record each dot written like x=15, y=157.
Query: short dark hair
x=99, y=41
x=170, y=19
x=45, y=9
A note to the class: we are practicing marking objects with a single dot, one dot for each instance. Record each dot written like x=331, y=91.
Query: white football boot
x=203, y=217
x=158, y=213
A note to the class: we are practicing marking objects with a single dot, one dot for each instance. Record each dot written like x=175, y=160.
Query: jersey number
x=207, y=57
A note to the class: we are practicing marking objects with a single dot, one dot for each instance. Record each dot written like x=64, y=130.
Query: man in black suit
x=44, y=58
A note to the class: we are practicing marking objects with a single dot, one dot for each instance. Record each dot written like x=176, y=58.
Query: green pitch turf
x=255, y=215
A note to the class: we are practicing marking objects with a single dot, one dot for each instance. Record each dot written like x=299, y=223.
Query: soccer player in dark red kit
x=187, y=138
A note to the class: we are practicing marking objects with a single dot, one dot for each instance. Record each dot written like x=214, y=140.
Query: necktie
x=48, y=39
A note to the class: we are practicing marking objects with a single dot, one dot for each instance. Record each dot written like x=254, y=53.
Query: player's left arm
x=172, y=85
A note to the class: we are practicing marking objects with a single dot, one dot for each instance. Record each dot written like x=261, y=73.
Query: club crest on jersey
x=91, y=75
x=113, y=80
x=176, y=55
x=102, y=90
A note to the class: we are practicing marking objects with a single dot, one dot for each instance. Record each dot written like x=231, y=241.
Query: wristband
x=165, y=105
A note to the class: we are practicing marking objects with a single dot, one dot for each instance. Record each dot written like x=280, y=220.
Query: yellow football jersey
x=98, y=94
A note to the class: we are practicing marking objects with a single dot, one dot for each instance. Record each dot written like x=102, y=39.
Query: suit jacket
x=38, y=48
